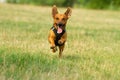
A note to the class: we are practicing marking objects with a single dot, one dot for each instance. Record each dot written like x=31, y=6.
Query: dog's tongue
x=59, y=30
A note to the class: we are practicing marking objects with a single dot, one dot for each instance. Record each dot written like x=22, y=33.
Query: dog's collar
x=58, y=36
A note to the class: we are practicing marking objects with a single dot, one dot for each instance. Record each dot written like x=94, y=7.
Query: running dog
x=57, y=35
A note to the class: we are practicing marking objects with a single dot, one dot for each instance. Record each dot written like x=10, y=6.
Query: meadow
x=92, y=50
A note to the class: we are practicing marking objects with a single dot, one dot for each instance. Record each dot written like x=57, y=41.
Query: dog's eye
x=57, y=18
x=63, y=19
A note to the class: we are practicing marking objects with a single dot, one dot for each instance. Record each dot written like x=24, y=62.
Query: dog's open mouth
x=59, y=30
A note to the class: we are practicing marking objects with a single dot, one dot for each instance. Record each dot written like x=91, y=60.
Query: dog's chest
x=58, y=36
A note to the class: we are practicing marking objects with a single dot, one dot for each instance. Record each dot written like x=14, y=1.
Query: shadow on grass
x=72, y=57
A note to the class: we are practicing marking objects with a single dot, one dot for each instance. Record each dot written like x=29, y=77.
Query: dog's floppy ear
x=68, y=12
x=54, y=11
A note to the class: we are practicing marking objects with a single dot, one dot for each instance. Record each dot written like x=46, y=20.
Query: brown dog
x=58, y=35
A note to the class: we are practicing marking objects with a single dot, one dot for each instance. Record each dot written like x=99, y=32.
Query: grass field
x=92, y=50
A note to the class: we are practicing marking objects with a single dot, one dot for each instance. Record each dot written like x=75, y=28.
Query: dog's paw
x=52, y=47
x=60, y=42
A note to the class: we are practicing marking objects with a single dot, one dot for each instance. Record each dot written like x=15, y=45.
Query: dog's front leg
x=63, y=39
x=51, y=39
x=52, y=43
x=53, y=47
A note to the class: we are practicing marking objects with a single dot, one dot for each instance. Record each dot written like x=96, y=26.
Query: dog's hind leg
x=61, y=48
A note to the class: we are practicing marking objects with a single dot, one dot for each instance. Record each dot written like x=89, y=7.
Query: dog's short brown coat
x=60, y=20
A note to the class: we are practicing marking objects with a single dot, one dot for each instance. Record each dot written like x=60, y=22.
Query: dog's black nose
x=60, y=24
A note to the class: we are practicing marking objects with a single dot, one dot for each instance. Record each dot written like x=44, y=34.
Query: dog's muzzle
x=60, y=25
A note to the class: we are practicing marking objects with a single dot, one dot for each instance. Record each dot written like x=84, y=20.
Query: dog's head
x=60, y=20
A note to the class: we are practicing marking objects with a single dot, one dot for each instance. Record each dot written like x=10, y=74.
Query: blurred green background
x=94, y=4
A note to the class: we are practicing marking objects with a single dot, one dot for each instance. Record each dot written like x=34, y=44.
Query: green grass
x=92, y=50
